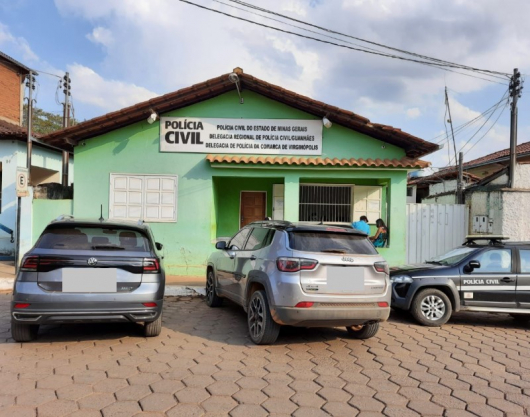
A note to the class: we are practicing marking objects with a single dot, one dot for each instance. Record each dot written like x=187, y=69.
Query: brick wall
x=9, y=94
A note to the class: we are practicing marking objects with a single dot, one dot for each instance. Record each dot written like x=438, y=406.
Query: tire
x=521, y=318
x=431, y=307
x=24, y=332
x=153, y=328
x=212, y=299
x=263, y=330
x=363, y=332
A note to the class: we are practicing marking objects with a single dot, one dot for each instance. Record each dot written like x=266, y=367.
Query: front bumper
x=330, y=316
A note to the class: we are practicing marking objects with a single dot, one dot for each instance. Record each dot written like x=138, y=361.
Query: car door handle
x=507, y=279
x=253, y=258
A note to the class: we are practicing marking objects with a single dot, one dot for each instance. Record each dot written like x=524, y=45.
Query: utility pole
x=450, y=120
x=460, y=182
x=515, y=92
x=66, y=123
x=31, y=87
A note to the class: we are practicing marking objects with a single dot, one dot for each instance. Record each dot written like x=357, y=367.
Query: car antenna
x=101, y=216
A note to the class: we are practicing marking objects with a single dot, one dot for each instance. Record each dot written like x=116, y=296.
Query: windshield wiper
x=109, y=247
x=334, y=250
x=434, y=262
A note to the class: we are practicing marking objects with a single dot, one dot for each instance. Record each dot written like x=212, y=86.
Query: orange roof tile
x=318, y=161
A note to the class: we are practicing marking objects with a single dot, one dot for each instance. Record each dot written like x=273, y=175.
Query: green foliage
x=43, y=122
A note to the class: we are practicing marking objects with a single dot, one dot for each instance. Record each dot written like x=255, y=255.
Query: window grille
x=326, y=203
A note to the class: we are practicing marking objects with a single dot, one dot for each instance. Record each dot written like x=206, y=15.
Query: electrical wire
x=448, y=63
x=48, y=73
x=433, y=64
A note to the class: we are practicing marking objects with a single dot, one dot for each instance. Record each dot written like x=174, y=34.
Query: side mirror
x=159, y=246
x=220, y=245
x=471, y=266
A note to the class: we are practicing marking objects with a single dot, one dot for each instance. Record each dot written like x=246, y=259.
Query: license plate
x=89, y=279
x=345, y=279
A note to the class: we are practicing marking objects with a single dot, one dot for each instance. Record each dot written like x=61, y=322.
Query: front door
x=252, y=206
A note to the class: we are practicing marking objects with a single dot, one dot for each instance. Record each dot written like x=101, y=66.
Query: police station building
x=200, y=163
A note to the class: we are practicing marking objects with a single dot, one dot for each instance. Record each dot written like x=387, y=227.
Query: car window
x=452, y=257
x=238, y=240
x=259, y=238
x=329, y=242
x=525, y=260
x=93, y=238
x=494, y=261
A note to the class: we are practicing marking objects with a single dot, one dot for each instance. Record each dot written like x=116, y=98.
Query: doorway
x=253, y=207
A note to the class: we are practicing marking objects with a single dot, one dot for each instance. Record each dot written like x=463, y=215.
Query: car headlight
x=401, y=279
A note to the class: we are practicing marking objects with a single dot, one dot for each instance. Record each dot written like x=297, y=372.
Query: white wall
x=515, y=208
x=412, y=198
x=442, y=187
x=444, y=199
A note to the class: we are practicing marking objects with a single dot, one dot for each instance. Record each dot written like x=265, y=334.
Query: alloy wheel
x=256, y=317
x=209, y=287
x=433, y=307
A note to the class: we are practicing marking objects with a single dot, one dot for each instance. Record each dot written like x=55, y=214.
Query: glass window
x=93, y=238
x=259, y=238
x=329, y=242
x=452, y=257
x=494, y=261
x=326, y=203
x=238, y=240
x=525, y=261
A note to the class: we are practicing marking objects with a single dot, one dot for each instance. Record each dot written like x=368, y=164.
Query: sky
x=121, y=52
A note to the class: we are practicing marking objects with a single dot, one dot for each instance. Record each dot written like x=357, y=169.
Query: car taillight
x=30, y=263
x=382, y=304
x=22, y=305
x=381, y=267
x=149, y=304
x=304, y=304
x=151, y=266
x=295, y=264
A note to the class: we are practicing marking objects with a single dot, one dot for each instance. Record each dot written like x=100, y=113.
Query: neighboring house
x=495, y=208
x=210, y=163
x=46, y=160
x=439, y=187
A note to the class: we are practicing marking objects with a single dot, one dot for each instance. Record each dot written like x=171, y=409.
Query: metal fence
x=433, y=229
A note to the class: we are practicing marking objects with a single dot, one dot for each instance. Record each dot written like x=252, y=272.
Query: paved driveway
x=204, y=363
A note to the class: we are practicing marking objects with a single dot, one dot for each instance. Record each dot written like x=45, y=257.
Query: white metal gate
x=433, y=229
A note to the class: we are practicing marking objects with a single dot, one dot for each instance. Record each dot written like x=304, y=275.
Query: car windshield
x=93, y=238
x=329, y=242
x=452, y=257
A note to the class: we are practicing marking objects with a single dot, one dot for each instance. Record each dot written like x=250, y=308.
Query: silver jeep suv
x=302, y=275
x=86, y=271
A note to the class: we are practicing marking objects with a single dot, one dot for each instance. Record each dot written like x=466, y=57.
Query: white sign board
x=233, y=136
x=22, y=182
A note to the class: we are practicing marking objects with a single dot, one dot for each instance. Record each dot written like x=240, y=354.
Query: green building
x=199, y=163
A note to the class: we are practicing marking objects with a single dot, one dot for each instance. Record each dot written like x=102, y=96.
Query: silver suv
x=85, y=271
x=302, y=275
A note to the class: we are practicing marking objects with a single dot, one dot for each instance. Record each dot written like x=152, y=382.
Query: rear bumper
x=86, y=314
x=318, y=316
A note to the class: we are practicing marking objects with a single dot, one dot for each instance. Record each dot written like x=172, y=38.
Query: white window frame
x=143, y=203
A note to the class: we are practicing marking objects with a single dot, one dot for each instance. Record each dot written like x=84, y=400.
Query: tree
x=43, y=122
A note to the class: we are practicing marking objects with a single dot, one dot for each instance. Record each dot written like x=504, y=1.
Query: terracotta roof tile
x=449, y=174
x=523, y=148
x=317, y=161
x=12, y=130
x=413, y=146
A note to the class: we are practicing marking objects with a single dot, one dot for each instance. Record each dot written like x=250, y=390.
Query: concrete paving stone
x=185, y=410
x=192, y=395
x=340, y=409
x=219, y=404
x=223, y=388
x=153, y=367
x=484, y=410
x=505, y=406
x=249, y=396
x=275, y=390
x=251, y=383
x=279, y=405
x=448, y=402
x=247, y=410
x=167, y=386
x=176, y=373
x=15, y=387
x=6, y=400
x=360, y=390
x=398, y=411
x=158, y=402
x=18, y=411
x=36, y=397
x=458, y=413
x=278, y=378
x=89, y=377
x=391, y=399
x=57, y=408
x=365, y=403
x=144, y=379
x=334, y=394
x=198, y=381
x=300, y=375
x=86, y=412
x=310, y=412
x=96, y=401
x=383, y=385
x=133, y=393
x=110, y=385
x=425, y=408
x=74, y=392
x=253, y=371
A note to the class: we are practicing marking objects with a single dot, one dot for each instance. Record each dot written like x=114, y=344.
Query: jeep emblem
x=347, y=259
x=92, y=261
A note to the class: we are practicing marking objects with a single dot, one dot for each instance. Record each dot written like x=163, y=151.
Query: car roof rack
x=63, y=217
x=491, y=239
x=273, y=223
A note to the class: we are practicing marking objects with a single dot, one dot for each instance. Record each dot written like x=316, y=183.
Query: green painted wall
x=188, y=242
x=44, y=211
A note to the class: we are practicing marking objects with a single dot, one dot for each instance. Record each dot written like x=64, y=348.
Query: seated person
x=362, y=225
x=380, y=237
x=495, y=263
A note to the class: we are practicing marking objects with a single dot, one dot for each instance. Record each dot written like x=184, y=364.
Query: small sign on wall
x=22, y=182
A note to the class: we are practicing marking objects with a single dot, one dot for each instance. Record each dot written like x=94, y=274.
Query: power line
x=47, y=73
x=433, y=64
x=447, y=63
